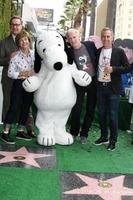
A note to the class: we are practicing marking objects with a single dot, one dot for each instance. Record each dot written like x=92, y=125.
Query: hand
x=29, y=73
x=81, y=78
x=108, y=69
x=13, y=54
x=31, y=84
x=26, y=73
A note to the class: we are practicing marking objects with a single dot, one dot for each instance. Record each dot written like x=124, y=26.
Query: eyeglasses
x=15, y=24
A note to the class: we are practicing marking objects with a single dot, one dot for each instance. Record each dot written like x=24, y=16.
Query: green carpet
x=93, y=158
x=44, y=184
x=26, y=184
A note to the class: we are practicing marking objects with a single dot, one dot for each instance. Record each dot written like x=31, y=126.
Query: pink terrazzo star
x=113, y=192
x=21, y=155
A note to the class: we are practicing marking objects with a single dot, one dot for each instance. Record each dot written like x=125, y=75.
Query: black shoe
x=83, y=140
x=31, y=133
x=7, y=139
x=101, y=141
x=111, y=146
x=22, y=136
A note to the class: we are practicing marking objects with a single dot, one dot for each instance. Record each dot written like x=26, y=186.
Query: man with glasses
x=7, y=47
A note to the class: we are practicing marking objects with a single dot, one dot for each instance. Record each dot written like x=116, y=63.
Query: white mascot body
x=55, y=93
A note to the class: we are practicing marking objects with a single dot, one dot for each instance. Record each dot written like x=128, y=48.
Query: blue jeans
x=108, y=105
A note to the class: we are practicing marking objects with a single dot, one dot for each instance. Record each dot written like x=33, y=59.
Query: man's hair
x=20, y=35
x=107, y=29
x=72, y=30
x=16, y=17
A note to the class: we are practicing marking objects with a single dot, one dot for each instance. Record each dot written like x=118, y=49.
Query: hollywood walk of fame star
x=21, y=155
x=111, y=189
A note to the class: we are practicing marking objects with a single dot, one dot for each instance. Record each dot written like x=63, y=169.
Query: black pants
x=7, y=84
x=90, y=92
x=20, y=101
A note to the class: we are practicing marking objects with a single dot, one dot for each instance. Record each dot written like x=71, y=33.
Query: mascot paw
x=64, y=139
x=81, y=78
x=31, y=84
x=45, y=141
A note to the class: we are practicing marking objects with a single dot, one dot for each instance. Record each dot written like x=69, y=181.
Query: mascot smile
x=55, y=93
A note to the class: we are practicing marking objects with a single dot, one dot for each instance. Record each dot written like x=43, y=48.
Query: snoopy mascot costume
x=55, y=93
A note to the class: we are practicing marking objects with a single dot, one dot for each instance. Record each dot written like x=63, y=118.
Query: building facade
x=105, y=15
x=124, y=19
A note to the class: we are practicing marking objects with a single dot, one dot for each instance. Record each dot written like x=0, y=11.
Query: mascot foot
x=45, y=141
x=63, y=139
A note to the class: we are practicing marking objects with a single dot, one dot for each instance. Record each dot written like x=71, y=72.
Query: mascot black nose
x=58, y=66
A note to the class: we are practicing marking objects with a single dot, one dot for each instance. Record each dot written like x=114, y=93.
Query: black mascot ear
x=67, y=50
x=37, y=63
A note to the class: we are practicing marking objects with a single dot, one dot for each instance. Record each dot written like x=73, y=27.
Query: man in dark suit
x=84, y=55
x=7, y=47
x=112, y=62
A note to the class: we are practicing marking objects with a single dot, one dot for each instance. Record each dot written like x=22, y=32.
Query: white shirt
x=104, y=59
x=20, y=62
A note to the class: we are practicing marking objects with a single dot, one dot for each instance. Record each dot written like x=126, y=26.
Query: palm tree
x=72, y=7
x=78, y=17
x=76, y=12
x=86, y=8
x=63, y=21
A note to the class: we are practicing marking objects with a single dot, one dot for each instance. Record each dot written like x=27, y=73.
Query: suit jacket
x=120, y=65
x=7, y=46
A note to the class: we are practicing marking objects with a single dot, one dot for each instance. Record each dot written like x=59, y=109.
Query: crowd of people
x=105, y=65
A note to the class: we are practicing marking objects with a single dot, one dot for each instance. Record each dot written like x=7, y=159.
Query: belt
x=104, y=84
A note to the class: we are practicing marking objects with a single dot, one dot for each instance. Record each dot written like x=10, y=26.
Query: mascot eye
x=59, y=44
x=39, y=41
x=44, y=50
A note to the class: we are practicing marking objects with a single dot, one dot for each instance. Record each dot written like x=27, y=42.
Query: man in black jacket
x=112, y=62
x=84, y=55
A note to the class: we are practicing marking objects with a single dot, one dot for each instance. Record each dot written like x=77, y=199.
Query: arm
x=122, y=64
x=32, y=83
x=4, y=58
x=16, y=68
x=12, y=70
x=82, y=78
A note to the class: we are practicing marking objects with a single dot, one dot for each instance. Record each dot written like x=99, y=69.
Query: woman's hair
x=20, y=35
